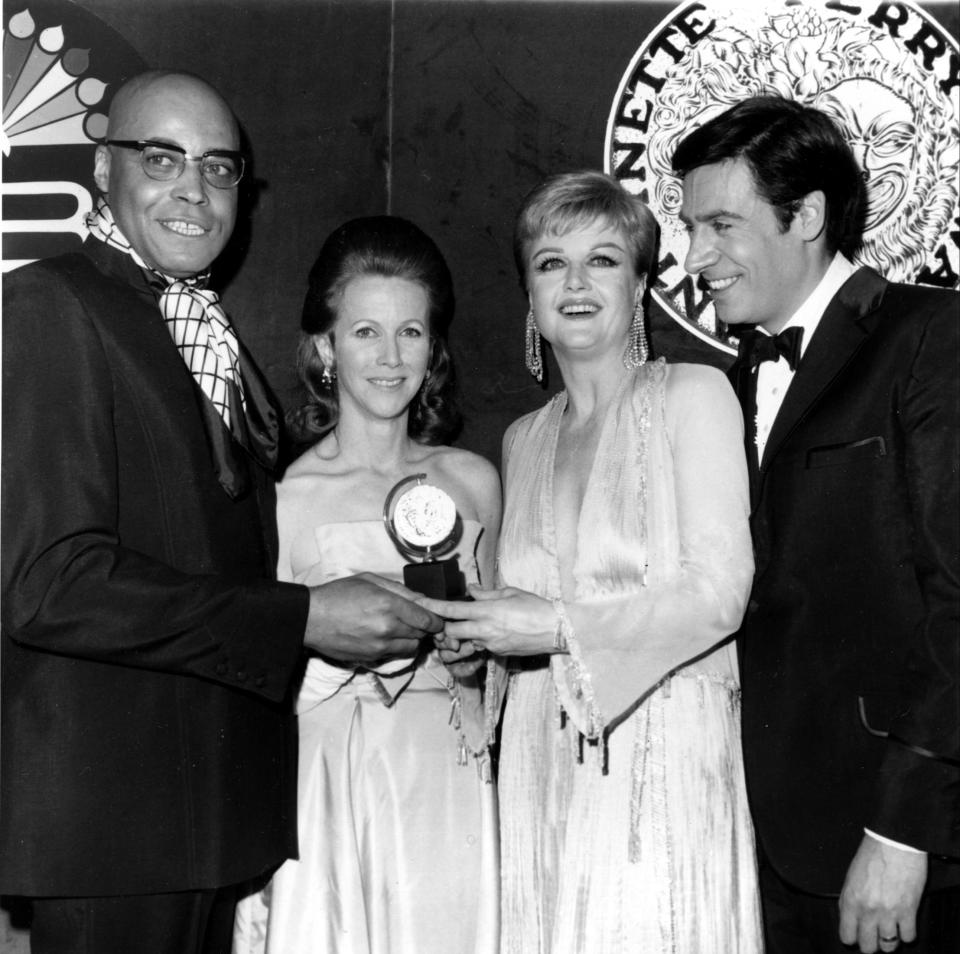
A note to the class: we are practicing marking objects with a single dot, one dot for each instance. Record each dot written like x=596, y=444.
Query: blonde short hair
x=577, y=199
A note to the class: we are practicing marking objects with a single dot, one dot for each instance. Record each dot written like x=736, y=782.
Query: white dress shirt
x=774, y=377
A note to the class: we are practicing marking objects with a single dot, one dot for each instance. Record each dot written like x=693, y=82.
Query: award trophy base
x=440, y=580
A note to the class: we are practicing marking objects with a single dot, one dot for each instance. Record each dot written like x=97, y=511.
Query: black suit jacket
x=850, y=648
x=147, y=653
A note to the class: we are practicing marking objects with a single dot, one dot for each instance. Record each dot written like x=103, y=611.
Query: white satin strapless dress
x=398, y=838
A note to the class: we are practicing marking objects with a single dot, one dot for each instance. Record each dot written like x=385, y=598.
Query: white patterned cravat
x=206, y=341
x=198, y=324
x=241, y=415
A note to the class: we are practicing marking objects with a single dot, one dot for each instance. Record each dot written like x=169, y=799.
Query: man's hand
x=878, y=904
x=365, y=619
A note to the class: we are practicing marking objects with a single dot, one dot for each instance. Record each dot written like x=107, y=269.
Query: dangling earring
x=533, y=355
x=636, y=354
x=329, y=376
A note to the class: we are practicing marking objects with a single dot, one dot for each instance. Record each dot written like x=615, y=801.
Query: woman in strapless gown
x=625, y=561
x=396, y=805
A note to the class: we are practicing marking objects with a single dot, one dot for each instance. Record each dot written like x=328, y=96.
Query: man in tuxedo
x=850, y=649
x=148, y=747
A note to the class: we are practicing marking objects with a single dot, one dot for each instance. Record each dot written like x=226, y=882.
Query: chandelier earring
x=637, y=352
x=533, y=354
x=329, y=376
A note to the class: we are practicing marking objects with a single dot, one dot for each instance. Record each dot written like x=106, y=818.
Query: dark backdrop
x=444, y=112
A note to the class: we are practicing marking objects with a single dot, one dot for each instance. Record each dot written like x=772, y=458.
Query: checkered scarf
x=240, y=413
x=196, y=321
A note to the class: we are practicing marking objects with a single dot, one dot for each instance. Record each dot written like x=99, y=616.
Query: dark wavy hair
x=393, y=248
x=791, y=150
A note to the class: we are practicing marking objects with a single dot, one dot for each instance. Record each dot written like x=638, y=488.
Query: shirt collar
x=808, y=315
x=103, y=226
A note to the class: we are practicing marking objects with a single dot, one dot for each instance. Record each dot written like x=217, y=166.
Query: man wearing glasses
x=146, y=652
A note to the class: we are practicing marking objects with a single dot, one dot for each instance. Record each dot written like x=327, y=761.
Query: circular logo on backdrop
x=886, y=72
x=61, y=67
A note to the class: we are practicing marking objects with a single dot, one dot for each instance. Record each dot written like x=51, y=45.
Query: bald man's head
x=126, y=101
x=180, y=225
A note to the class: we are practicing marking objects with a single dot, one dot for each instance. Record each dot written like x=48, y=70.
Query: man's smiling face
x=756, y=272
x=181, y=225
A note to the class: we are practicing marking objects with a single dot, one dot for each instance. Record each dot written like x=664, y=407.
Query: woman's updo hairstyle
x=391, y=247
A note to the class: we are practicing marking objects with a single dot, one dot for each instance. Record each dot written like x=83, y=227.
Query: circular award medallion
x=885, y=72
x=422, y=520
x=424, y=516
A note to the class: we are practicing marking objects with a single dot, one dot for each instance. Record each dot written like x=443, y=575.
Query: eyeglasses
x=221, y=168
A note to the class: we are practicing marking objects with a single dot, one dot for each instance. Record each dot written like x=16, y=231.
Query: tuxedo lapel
x=845, y=326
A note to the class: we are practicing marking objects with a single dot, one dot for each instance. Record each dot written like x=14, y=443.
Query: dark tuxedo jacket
x=146, y=651
x=850, y=649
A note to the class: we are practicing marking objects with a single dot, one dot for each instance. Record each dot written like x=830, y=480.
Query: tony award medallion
x=423, y=523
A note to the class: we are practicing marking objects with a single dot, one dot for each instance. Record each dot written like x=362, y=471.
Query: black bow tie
x=756, y=347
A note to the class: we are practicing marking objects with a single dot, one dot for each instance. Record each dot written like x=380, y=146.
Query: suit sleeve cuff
x=892, y=843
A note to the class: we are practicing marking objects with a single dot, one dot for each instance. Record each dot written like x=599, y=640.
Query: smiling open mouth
x=580, y=308
x=720, y=284
x=190, y=229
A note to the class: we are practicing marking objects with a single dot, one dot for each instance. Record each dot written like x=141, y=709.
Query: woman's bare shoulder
x=462, y=463
x=696, y=382
x=304, y=471
x=685, y=374
x=699, y=393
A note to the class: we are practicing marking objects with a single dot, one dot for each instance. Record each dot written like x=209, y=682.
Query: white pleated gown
x=398, y=840
x=646, y=845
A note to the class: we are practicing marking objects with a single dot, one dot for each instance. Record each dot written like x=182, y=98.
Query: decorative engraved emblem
x=52, y=116
x=886, y=72
x=422, y=520
x=425, y=516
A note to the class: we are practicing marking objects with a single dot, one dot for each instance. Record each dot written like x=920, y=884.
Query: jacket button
x=260, y=682
x=221, y=668
x=241, y=676
x=753, y=606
